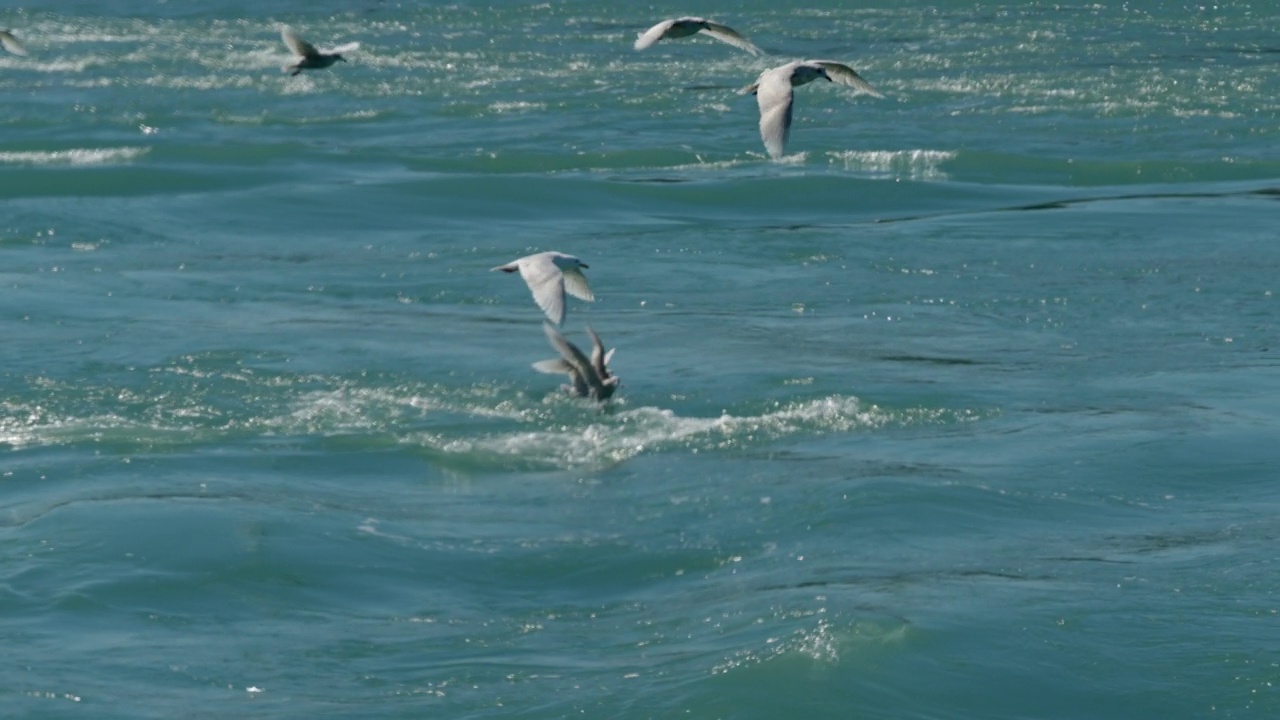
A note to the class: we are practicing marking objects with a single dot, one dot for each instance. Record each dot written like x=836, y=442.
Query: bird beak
x=584, y=265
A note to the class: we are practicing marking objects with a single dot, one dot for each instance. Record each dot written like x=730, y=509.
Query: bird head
x=566, y=262
x=807, y=73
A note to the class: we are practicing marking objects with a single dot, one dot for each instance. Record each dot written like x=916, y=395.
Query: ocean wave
x=825, y=642
x=509, y=106
x=913, y=164
x=612, y=439
x=75, y=156
x=52, y=66
x=477, y=426
x=489, y=426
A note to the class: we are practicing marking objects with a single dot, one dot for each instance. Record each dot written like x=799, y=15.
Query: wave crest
x=476, y=427
x=74, y=156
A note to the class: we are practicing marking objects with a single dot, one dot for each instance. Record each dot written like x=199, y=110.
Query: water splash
x=611, y=439
x=201, y=400
x=912, y=164
x=826, y=642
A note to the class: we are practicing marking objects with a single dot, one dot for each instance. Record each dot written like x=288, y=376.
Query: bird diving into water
x=588, y=377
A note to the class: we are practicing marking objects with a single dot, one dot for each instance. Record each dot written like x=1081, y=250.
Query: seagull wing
x=546, y=282
x=344, y=49
x=297, y=45
x=573, y=357
x=653, y=34
x=724, y=33
x=12, y=44
x=554, y=366
x=599, y=358
x=577, y=387
x=775, y=99
x=576, y=284
x=845, y=75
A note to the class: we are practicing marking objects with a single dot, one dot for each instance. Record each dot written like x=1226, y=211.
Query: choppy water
x=965, y=409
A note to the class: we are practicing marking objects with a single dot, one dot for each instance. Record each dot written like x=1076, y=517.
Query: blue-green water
x=965, y=409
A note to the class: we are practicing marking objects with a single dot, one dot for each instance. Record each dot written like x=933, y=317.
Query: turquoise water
x=964, y=409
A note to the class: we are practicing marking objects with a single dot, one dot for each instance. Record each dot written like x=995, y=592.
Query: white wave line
x=75, y=156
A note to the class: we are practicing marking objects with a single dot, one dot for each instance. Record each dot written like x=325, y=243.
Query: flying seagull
x=686, y=26
x=308, y=57
x=773, y=93
x=590, y=377
x=549, y=275
x=12, y=44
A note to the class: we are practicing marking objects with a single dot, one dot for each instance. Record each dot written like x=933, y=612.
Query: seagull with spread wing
x=549, y=276
x=773, y=93
x=308, y=57
x=686, y=26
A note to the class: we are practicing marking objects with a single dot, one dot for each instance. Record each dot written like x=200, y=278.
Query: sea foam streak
x=75, y=156
x=482, y=425
x=629, y=433
x=913, y=164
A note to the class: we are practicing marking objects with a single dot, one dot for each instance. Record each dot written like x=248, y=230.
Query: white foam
x=75, y=156
x=632, y=432
x=913, y=164
x=54, y=66
x=516, y=106
x=347, y=409
x=484, y=423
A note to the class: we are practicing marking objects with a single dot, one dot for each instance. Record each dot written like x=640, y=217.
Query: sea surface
x=964, y=409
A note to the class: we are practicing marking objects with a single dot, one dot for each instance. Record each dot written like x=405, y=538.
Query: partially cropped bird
x=12, y=44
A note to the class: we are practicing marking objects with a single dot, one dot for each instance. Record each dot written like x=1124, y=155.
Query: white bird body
x=773, y=91
x=686, y=26
x=589, y=377
x=549, y=276
x=12, y=44
x=308, y=57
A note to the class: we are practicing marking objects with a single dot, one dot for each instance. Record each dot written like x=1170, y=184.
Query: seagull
x=12, y=44
x=590, y=376
x=549, y=275
x=309, y=58
x=773, y=93
x=686, y=26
